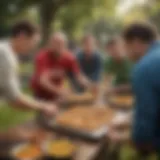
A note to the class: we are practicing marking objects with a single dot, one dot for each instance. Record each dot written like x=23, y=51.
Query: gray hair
x=61, y=35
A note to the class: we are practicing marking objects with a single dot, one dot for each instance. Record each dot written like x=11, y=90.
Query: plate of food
x=85, y=122
x=27, y=152
x=60, y=149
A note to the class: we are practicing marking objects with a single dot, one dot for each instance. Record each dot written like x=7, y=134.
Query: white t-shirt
x=9, y=79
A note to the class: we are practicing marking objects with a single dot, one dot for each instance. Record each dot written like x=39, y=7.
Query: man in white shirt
x=24, y=38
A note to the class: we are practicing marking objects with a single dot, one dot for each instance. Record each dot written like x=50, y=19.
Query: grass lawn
x=10, y=116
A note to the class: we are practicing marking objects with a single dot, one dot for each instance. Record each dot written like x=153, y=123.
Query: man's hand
x=26, y=102
x=119, y=130
x=49, y=109
x=63, y=92
x=83, y=81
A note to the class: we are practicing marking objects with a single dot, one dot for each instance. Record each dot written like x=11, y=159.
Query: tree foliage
x=72, y=14
x=150, y=10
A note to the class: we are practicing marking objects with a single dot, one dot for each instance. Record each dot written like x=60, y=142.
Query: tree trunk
x=47, y=13
x=48, y=10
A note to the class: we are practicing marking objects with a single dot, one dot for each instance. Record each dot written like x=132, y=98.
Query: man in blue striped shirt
x=144, y=48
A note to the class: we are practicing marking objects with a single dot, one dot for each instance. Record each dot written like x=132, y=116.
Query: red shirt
x=46, y=61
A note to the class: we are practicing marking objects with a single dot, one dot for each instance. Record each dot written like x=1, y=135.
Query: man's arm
x=145, y=112
x=82, y=80
x=25, y=102
x=45, y=82
x=74, y=68
x=11, y=89
x=45, y=75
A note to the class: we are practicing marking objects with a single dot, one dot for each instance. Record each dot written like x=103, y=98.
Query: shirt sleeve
x=146, y=109
x=96, y=76
x=74, y=66
x=9, y=82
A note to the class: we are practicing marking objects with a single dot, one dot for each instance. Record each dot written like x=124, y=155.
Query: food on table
x=122, y=121
x=126, y=100
x=80, y=97
x=61, y=148
x=28, y=152
x=85, y=118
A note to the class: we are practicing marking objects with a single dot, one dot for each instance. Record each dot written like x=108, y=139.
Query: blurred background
x=102, y=18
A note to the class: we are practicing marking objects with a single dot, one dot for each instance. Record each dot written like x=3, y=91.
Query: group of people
x=84, y=70
x=132, y=62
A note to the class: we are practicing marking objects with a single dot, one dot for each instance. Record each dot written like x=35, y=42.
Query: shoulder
x=4, y=48
x=7, y=58
x=6, y=53
x=148, y=67
x=150, y=61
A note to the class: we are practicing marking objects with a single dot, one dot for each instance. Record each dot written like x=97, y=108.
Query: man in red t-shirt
x=51, y=67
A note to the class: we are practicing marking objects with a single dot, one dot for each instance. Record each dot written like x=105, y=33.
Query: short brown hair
x=25, y=27
x=145, y=32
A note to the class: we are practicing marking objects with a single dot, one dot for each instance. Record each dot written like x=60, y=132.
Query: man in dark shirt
x=144, y=48
x=51, y=66
x=90, y=63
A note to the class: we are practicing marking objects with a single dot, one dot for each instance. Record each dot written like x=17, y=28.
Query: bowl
x=27, y=151
x=61, y=149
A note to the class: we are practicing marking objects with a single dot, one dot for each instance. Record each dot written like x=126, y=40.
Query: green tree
x=149, y=10
x=75, y=16
x=7, y=12
x=70, y=12
x=10, y=9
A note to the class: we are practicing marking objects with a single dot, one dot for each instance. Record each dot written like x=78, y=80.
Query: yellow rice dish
x=61, y=148
x=28, y=152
